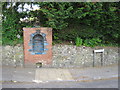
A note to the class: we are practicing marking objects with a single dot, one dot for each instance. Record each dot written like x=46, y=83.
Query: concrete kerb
x=35, y=81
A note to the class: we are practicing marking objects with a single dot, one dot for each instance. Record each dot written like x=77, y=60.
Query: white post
x=102, y=56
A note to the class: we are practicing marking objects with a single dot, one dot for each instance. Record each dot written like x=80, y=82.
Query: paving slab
x=24, y=74
x=7, y=73
x=95, y=73
x=44, y=74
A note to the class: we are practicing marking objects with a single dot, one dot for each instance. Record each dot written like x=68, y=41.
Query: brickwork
x=34, y=58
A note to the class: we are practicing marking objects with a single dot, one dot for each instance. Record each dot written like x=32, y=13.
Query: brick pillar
x=31, y=49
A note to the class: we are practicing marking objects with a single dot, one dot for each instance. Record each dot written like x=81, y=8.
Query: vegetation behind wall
x=94, y=23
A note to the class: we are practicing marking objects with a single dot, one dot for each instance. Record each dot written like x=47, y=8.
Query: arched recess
x=38, y=44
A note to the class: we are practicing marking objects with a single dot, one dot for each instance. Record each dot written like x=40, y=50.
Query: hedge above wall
x=69, y=20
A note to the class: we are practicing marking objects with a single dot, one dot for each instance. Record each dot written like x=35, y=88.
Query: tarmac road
x=110, y=83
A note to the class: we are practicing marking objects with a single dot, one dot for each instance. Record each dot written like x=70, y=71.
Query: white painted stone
x=99, y=50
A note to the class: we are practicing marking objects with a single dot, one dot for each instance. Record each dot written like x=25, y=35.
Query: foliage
x=88, y=42
x=11, y=25
x=56, y=13
x=87, y=20
x=78, y=41
x=92, y=42
x=94, y=23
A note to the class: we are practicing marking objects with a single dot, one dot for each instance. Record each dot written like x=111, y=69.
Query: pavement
x=40, y=75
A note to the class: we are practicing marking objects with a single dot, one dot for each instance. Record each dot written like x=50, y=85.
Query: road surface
x=111, y=83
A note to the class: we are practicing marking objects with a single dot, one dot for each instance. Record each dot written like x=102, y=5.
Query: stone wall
x=12, y=55
x=82, y=56
x=64, y=56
